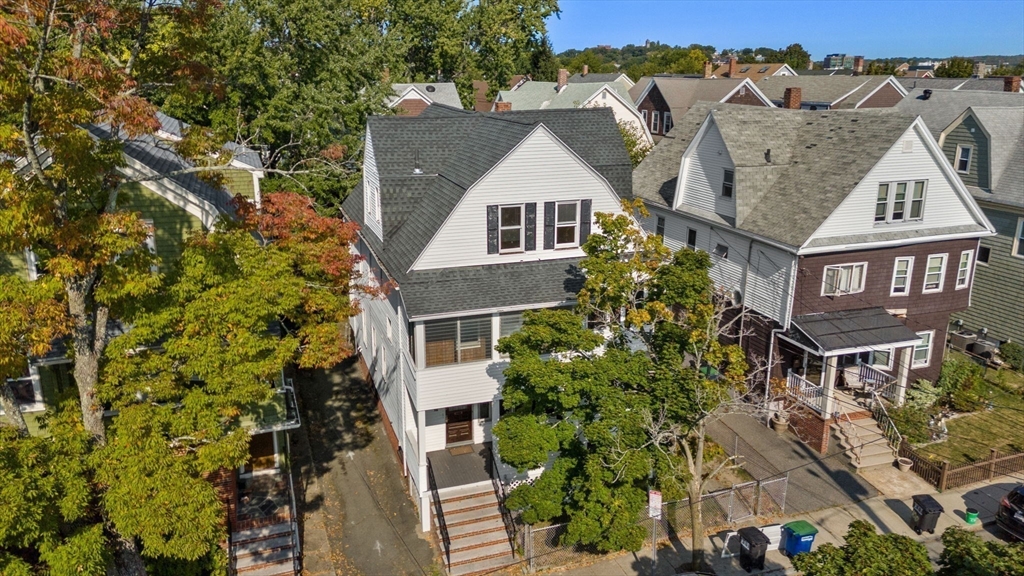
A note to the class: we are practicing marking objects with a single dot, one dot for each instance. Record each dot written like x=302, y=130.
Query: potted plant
x=780, y=422
x=904, y=464
x=780, y=412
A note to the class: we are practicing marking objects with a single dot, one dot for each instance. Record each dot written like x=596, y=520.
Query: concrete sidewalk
x=890, y=511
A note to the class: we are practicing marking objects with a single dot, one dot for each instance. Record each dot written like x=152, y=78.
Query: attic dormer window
x=963, y=159
x=727, y=183
x=900, y=201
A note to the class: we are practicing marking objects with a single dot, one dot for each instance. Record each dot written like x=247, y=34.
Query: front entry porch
x=838, y=365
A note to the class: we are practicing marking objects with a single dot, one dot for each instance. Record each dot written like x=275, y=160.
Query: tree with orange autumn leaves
x=125, y=491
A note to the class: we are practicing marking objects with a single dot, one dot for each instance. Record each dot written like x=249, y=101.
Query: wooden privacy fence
x=945, y=476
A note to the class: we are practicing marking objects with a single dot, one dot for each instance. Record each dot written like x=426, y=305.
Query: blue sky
x=874, y=29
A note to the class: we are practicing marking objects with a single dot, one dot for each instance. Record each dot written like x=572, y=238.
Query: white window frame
x=694, y=245
x=1018, y=240
x=928, y=359
x=731, y=184
x=575, y=224
x=37, y=391
x=644, y=114
x=895, y=274
x=963, y=269
x=655, y=121
x=659, y=226
x=840, y=268
x=908, y=202
x=960, y=149
x=521, y=226
x=942, y=274
x=666, y=122
x=889, y=351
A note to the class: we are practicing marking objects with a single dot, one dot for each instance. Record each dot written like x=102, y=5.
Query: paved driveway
x=358, y=516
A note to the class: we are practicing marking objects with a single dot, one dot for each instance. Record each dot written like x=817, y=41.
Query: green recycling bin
x=971, y=516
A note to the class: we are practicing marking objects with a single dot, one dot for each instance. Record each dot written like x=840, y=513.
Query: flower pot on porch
x=780, y=423
x=904, y=464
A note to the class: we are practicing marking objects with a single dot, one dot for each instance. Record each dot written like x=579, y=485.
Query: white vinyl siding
x=1018, y=240
x=462, y=240
x=934, y=273
x=943, y=206
x=371, y=190
x=963, y=270
x=923, y=351
x=902, y=272
x=768, y=278
x=704, y=172
x=844, y=279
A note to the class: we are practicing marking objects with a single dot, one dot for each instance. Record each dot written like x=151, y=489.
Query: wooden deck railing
x=809, y=393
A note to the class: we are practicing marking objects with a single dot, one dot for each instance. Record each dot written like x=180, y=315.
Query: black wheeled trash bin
x=753, y=547
x=926, y=513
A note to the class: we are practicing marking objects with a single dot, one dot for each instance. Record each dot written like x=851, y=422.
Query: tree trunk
x=11, y=409
x=88, y=347
x=128, y=561
x=697, y=526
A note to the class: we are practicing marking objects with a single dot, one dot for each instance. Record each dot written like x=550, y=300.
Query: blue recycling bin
x=799, y=537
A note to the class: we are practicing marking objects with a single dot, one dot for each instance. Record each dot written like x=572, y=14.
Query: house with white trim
x=536, y=95
x=844, y=238
x=411, y=99
x=663, y=98
x=471, y=219
x=836, y=92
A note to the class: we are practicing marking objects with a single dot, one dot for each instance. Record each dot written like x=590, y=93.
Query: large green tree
x=955, y=67
x=866, y=553
x=625, y=407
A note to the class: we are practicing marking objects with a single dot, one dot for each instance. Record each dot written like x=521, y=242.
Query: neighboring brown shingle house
x=836, y=92
x=661, y=99
x=756, y=71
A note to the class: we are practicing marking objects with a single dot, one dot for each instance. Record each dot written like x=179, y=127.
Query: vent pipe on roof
x=927, y=94
x=416, y=170
x=768, y=155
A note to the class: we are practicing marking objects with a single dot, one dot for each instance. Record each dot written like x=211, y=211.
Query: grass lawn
x=972, y=436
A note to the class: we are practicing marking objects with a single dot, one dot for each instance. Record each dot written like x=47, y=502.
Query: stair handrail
x=499, y=489
x=855, y=442
x=885, y=423
x=439, y=515
x=296, y=545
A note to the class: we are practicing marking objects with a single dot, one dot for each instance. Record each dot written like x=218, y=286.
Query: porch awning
x=852, y=331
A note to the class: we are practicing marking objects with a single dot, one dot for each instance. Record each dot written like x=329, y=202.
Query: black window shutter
x=584, y=220
x=549, y=225
x=492, y=229
x=531, y=226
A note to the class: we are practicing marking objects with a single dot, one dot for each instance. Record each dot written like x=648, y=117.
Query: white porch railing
x=810, y=394
x=879, y=382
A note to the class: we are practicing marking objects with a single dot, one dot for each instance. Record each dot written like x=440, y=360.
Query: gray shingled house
x=985, y=145
x=473, y=218
x=843, y=238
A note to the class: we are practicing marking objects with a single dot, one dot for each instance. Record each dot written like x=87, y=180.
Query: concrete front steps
x=479, y=542
x=865, y=438
x=264, y=551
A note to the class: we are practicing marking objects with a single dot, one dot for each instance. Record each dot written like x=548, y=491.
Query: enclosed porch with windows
x=835, y=362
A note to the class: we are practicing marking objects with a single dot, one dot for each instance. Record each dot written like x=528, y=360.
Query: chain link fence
x=545, y=547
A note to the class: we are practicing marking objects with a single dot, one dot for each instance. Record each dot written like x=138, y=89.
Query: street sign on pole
x=654, y=504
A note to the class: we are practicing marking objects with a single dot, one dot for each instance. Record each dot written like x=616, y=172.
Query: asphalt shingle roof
x=1005, y=127
x=864, y=328
x=945, y=106
x=847, y=90
x=755, y=71
x=594, y=77
x=177, y=128
x=682, y=93
x=986, y=84
x=454, y=149
x=534, y=95
x=439, y=92
x=806, y=147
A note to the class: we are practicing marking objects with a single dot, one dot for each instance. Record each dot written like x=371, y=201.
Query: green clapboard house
x=985, y=145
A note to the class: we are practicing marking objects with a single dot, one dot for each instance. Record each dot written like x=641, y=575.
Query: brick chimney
x=563, y=78
x=708, y=69
x=858, y=64
x=586, y=69
x=979, y=69
x=791, y=99
x=732, y=67
x=1011, y=84
x=502, y=106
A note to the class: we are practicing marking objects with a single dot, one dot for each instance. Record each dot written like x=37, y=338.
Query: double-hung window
x=844, y=279
x=691, y=238
x=934, y=273
x=1018, y=239
x=901, y=276
x=727, y=183
x=963, y=159
x=900, y=201
x=667, y=122
x=567, y=219
x=655, y=117
x=659, y=227
x=923, y=351
x=511, y=232
x=963, y=270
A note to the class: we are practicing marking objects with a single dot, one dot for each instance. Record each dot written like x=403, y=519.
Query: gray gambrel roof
x=945, y=106
x=817, y=158
x=454, y=149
